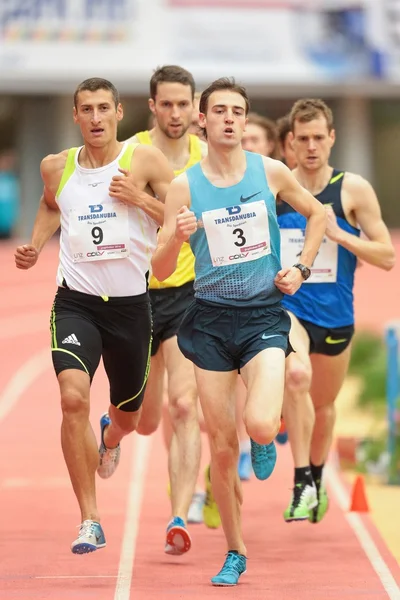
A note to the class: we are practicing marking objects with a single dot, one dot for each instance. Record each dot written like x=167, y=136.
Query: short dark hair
x=171, y=74
x=267, y=124
x=309, y=109
x=284, y=128
x=270, y=129
x=224, y=83
x=96, y=83
x=221, y=84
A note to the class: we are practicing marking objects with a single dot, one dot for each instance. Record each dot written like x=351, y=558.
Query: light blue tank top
x=241, y=284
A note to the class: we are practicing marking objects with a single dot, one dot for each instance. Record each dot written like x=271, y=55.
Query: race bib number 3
x=324, y=269
x=237, y=233
x=99, y=232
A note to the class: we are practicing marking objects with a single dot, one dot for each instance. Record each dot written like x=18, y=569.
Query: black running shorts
x=85, y=328
x=328, y=341
x=225, y=338
x=168, y=306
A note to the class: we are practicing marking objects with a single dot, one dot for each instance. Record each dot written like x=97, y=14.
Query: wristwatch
x=305, y=271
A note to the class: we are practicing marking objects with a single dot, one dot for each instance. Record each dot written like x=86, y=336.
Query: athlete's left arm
x=378, y=249
x=149, y=167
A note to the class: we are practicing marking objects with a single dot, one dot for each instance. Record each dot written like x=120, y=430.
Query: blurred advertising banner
x=390, y=36
x=65, y=20
x=52, y=43
x=278, y=41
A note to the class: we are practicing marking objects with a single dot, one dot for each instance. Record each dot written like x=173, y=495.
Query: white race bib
x=324, y=268
x=99, y=232
x=237, y=233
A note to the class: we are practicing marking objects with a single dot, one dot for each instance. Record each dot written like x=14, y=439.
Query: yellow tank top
x=184, y=271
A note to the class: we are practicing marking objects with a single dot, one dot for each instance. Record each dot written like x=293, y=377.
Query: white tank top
x=105, y=245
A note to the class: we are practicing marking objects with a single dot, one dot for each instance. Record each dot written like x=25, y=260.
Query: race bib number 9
x=324, y=268
x=237, y=233
x=99, y=232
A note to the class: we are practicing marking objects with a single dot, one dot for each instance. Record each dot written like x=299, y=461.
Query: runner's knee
x=298, y=377
x=125, y=421
x=183, y=408
x=148, y=425
x=224, y=450
x=325, y=412
x=263, y=432
x=74, y=402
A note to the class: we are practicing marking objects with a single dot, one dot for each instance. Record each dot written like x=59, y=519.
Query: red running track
x=342, y=557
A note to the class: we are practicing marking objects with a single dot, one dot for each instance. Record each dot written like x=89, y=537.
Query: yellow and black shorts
x=85, y=328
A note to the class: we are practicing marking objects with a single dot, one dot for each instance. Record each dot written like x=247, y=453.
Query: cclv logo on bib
x=238, y=256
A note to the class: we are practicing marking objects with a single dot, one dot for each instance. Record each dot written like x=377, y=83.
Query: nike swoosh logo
x=249, y=197
x=267, y=337
x=329, y=340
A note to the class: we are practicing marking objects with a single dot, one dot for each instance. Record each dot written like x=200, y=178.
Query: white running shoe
x=90, y=538
x=195, y=514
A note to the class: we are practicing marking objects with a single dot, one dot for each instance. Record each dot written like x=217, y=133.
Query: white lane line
x=76, y=577
x=141, y=451
x=22, y=379
x=363, y=535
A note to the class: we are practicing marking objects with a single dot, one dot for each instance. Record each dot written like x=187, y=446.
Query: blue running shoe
x=234, y=567
x=178, y=539
x=90, y=538
x=244, y=468
x=282, y=437
x=263, y=459
x=109, y=457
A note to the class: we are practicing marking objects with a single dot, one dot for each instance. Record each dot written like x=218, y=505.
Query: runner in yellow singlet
x=172, y=91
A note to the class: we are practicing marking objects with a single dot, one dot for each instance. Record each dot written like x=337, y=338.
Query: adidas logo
x=71, y=339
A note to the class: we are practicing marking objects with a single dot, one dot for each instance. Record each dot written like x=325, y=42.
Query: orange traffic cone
x=358, y=497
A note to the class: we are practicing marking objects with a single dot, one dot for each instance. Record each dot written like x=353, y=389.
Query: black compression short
x=85, y=328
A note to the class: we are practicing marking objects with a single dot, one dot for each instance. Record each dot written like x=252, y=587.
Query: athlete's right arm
x=179, y=224
x=47, y=219
x=290, y=190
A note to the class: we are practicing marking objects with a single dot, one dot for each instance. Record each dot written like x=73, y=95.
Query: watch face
x=305, y=271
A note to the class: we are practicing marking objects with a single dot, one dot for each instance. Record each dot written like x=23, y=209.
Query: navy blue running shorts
x=226, y=338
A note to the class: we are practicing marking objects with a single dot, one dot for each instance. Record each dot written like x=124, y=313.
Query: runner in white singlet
x=109, y=198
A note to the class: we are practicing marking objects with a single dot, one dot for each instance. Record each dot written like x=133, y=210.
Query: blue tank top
x=328, y=305
x=246, y=283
